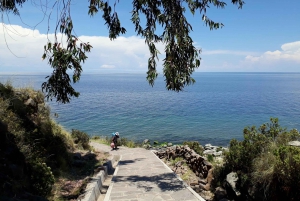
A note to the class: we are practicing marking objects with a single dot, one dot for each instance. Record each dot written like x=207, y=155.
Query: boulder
x=209, y=151
x=218, y=153
x=30, y=102
x=146, y=141
x=294, y=143
x=230, y=183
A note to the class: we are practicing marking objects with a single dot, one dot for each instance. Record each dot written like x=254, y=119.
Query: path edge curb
x=92, y=191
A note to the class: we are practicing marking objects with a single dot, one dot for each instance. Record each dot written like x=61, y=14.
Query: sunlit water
x=213, y=110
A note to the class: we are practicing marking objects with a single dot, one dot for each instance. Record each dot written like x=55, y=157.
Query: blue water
x=213, y=110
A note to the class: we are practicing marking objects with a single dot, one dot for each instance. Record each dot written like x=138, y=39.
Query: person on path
x=115, y=140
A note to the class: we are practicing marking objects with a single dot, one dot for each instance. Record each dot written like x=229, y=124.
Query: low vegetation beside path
x=40, y=160
x=263, y=166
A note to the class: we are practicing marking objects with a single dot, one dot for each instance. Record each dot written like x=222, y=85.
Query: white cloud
x=108, y=66
x=130, y=54
x=226, y=52
x=290, y=52
x=287, y=59
x=125, y=54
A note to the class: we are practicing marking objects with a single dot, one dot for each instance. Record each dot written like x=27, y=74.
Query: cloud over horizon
x=21, y=50
x=288, y=52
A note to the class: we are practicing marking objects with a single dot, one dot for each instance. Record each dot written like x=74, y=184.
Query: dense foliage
x=82, y=139
x=267, y=166
x=33, y=148
x=165, y=22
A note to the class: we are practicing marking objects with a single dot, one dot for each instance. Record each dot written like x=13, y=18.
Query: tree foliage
x=181, y=56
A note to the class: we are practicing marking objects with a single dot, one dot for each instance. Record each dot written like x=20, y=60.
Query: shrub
x=265, y=164
x=195, y=146
x=103, y=140
x=40, y=142
x=210, y=158
x=127, y=143
x=81, y=139
x=286, y=172
x=41, y=178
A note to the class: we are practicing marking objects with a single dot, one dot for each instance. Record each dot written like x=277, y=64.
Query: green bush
x=81, y=139
x=41, y=178
x=210, y=158
x=41, y=143
x=195, y=146
x=101, y=139
x=286, y=171
x=268, y=169
x=127, y=143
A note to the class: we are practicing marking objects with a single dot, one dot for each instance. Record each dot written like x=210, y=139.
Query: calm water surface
x=213, y=110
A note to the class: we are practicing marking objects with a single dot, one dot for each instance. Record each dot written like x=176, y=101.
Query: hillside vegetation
x=34, y=150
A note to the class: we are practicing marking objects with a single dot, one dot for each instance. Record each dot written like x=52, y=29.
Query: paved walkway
x=141, y=176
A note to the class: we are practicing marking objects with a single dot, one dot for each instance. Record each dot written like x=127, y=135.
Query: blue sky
x=263, y=36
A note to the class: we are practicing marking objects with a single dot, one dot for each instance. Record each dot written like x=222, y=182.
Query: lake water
x=213, y=110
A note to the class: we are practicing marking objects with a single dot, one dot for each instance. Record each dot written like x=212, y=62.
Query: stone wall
x=198, y=164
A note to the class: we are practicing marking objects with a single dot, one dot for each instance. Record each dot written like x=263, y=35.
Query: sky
x=263, y=36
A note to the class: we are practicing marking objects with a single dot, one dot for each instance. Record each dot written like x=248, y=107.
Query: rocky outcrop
x=198, y=164
x=230, y=184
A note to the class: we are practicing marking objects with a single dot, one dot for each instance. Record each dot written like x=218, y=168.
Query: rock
x=210, y=176
x=294, y=143
x=231, y=180
x=210, y=147
x=207, y=195
x=205, y=187
x=202, y=181
x=197, y=188
x=220, y=193
x=170, y=144
x=207, y=164
x=225, y=149
x=209, y=151
x=194, y=183
x=30, y=102
x=146, y=141
x=219, y=153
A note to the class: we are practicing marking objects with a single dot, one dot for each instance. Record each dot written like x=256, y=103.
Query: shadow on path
x=126, y=162
x=165, y=182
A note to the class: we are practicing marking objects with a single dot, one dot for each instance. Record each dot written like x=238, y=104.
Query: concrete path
x=141, y=176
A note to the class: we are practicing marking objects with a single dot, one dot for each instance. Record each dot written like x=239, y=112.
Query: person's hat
x=117, y=133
